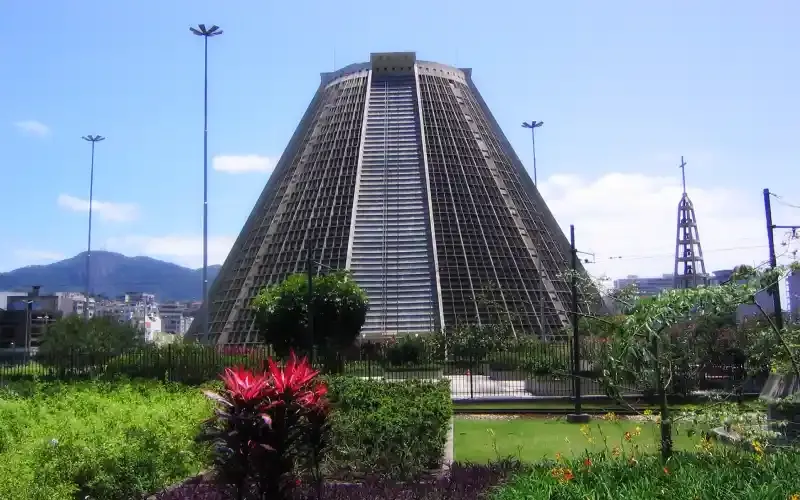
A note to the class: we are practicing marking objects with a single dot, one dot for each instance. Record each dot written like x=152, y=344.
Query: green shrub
x=408, y=350
x=397, y=428
x=686, y=476
x=510, y=359
x=97, y=440
x=547, y=359
x=74, y=344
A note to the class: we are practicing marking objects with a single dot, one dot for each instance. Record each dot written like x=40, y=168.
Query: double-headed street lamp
x=94, y=139
x=533, y=125
x=206, y=33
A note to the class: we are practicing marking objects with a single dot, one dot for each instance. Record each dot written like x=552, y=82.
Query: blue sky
x=624, y=88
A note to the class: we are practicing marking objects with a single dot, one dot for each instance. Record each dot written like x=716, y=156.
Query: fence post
x=471, y=385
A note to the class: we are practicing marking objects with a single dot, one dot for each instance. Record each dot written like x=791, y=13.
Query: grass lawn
x=532, y=439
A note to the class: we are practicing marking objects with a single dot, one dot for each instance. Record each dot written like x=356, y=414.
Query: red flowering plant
x=265, y=423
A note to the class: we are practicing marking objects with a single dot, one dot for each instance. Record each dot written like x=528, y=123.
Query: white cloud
x=629, y=222
x=33, y=127
x=242, y=164
x=106, y=210
x=186, y=250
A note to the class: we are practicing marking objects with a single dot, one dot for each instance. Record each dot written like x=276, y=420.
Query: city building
x=4, y=298
x=138, y=309
x=647, y=286
x=175, y=317
x=399, y=173
x=720, y=277
x=26, y=317
x=79, y=302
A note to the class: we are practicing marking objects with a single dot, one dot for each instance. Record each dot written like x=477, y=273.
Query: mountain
x=112, y=274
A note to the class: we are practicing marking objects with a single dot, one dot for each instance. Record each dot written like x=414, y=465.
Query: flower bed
x=687, y=476
x=275, y=430
x=462, y=482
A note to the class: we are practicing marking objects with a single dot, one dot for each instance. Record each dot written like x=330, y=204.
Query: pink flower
x=293, y=377
x=244, y=385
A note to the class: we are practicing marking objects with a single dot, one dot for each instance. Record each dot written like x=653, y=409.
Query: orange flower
x=615, y=451
x=559, y=458
x=666, y=471
x=587, y=462
x=794, y=496
x=563, y=474
x=627, y=436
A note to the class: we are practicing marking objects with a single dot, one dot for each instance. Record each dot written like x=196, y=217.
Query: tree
x=339, y=309
x=475, y=342
x=76, y=341
x=645, y=347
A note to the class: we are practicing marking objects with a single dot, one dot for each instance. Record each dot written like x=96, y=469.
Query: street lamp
x=533, y=125
x=206, y=33
x=94, y=139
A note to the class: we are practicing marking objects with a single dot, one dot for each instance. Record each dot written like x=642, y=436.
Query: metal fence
x=537, y=371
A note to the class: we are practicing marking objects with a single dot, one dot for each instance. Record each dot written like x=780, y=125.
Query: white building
x=174, y=318
x=138, y=309
x=78, y=303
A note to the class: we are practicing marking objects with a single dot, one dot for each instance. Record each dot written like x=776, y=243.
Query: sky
x=624, y=88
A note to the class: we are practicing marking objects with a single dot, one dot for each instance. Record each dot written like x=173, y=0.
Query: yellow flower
x=559, y=457
x=611, y=416
x=706, y=446
x=647, y=413
x=585, y=430
x=794, y=496
x=757, y=447
x=637, y=431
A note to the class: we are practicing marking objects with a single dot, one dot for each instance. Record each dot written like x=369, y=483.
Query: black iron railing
x=539, y=370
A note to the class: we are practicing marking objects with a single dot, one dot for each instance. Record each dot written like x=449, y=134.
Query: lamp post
x=533, y=125
x=206, y=33
x=94, y=139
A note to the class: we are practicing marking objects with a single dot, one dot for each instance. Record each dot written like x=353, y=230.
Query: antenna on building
x=690, y=268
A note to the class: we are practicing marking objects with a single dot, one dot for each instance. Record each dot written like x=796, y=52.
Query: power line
x=781, y=200
x=655, y=256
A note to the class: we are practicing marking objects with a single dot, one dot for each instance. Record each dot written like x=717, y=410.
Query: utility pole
x=206, y=33
x=578, y=416
x=533, y=125
x=773, y=260
x=28, y=305
x=94, y=139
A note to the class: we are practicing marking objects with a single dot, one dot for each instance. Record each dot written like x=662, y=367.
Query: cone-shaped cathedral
x=398, y=172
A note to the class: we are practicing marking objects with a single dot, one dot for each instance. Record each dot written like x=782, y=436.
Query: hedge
x=398, y=428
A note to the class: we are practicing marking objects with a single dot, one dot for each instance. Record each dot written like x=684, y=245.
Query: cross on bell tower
x=690, y=269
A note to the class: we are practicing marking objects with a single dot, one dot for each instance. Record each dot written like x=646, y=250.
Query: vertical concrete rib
x=434, y=253
x=357, y=188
